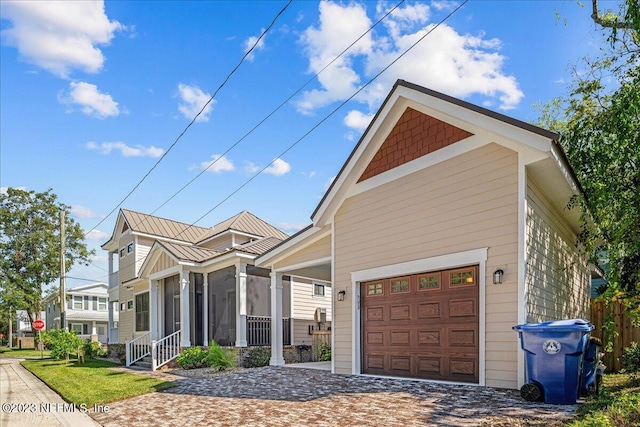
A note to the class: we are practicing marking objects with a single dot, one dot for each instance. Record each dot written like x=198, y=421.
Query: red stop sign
x=38, y=325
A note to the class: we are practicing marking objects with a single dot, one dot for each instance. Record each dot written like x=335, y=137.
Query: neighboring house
x=180, y=285
x=86, y=311
x=447, y=225
x=23, y=326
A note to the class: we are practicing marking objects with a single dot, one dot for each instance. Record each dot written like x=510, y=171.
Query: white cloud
x=92, y=102
x=125, y=150
x=248, y=44
x=193, y=99
x=278, y=167
x=217, y=164
x=83, y=212
x=60, y=36
x=357, y=120
x=292, y=227
x=457, y=64
x=97, y=235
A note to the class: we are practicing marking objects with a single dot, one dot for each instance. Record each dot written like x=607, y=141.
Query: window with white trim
x=318, y=289
x=76, y=327
x=142, y=312
x=78, y=302
x=102, y=304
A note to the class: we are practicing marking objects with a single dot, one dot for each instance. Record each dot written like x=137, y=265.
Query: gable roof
x=188, y=252
x=162, y=227
x=244, y=222
x=405, y=94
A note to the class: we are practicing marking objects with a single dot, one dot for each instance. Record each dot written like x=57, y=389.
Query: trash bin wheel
x=531, y=392
x=598, y=383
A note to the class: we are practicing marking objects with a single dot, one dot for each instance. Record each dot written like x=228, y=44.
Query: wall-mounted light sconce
x=497, y=276
x=341, y=295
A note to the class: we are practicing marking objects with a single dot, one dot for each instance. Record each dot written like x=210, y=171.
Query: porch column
x=153, y=309
x=277, y=358
x=241, y=304
x=205, y=309
x=93, y=328
x=185, y=314
x=110, y=322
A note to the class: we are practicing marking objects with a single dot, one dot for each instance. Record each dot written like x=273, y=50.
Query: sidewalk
x=27, y=401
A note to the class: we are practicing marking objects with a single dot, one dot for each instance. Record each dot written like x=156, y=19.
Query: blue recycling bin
x=554, y=352
x=591, y=368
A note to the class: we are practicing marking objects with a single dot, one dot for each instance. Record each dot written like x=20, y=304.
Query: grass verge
x=25, y=352
x=618, y=404
x=92, y=382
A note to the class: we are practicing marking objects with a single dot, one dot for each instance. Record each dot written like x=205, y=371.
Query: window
x=400, y=285
x=374, y=288
x=142, y=312
x=76, y=327
x=102, y=304
x=318, y=289
x=77, y=302
x=130, y=248
x=462, y=278
x=130, y=304
x=429, y=281
x=122, y=254
x=123, y=306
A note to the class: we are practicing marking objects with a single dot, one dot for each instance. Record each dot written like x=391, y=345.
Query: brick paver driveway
x=277, y=396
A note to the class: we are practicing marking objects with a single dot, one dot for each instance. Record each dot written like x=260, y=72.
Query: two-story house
x=86, y=311
x=179, y=285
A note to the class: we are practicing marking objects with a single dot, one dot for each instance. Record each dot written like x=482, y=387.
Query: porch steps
x=143, y=364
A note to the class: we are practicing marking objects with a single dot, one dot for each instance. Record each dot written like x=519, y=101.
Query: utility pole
x=63, y=299
x=10, y=327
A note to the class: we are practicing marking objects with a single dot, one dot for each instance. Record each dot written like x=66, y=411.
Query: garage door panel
x=400, y=312
x=430, y=337
x=463, y=338
x=424, y=326
x=463, y=307
x=374, y=314
x=429, y=310
x=402, y=338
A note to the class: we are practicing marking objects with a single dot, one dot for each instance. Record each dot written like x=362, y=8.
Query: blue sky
x=92, y=94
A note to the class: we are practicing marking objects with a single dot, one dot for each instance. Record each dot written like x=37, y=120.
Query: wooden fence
x=320, y=339
x=626, y=332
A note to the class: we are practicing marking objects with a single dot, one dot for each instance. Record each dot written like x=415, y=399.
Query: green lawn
x=25, y=352
x=93, y=382
x=617, y=406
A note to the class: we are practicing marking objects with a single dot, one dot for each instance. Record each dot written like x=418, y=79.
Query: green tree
x=30, y=247
x=599, y=123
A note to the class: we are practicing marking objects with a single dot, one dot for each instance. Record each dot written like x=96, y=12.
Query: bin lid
x=568, y=325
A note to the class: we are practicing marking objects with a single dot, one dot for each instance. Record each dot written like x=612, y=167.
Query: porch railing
x=165, y=350
x=259, y=330
x=138, y=348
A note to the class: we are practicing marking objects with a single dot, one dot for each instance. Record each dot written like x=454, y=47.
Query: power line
x=329, y=115
x=268, y=116
x=196, y=116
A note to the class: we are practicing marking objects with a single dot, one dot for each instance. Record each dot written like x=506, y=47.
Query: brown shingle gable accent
x=414, y=135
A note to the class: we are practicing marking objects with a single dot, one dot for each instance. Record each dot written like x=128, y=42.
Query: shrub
x=193, y=357
x=62, y=343
x=93, y=349
x=323, y=352
x=219, y=358
x=257, y=357
x=631, y=358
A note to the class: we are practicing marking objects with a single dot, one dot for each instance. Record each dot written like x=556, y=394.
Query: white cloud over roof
x=60, y=36
x=446, y=60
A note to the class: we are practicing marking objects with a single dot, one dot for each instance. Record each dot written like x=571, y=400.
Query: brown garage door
x=422, y=326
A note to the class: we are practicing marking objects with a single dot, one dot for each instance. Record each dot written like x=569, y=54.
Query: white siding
x=557, y=276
